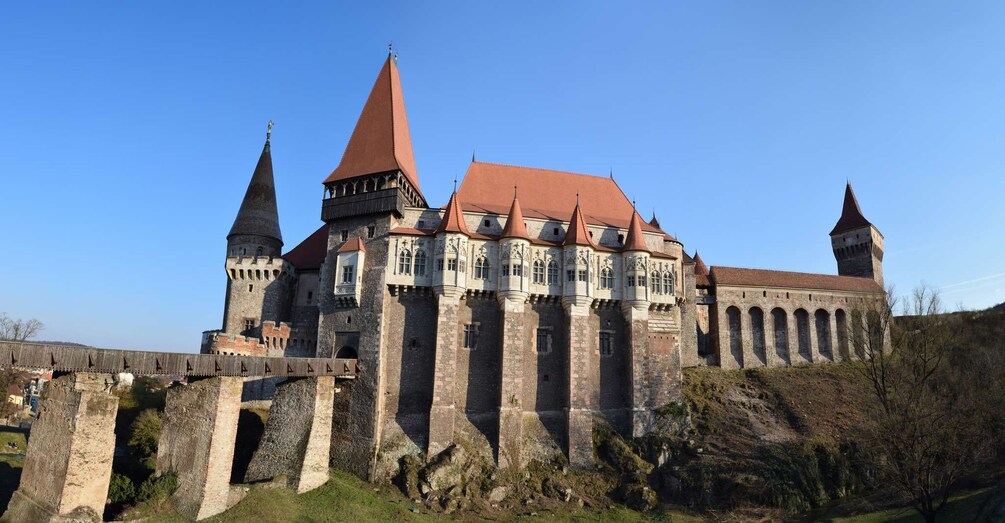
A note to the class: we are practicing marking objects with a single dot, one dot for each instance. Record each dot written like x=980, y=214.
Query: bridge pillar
x=68, y=463
x=197, y=442
x=297, y=434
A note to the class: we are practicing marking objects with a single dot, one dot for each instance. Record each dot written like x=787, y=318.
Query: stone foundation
x=68, y=463
x=297, y=435
x=197, y=442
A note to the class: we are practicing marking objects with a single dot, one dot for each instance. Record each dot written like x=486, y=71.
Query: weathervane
x=268, y=133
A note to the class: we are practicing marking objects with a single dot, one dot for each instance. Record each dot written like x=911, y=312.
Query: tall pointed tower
x=364, y=197
x=377, y=173
x=256, y=229
x=857, y=243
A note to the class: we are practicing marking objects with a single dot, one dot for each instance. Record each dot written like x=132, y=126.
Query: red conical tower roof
x=851, y=214
x=700, y=269
x=634, y=240
x=578, y=233
x=515, y=227
x=381, y=141
x=453, y=218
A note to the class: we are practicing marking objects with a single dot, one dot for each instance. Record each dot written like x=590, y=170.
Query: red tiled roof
x=546, y=194
x=381, y=141
x=578, y=234
x=310, y=253
x=699, y=265
x=794, y=280
x=634, y=240
x=851, y=213
x=353, y=244
x=453, y=218
x=412, y=231
x=515, y=227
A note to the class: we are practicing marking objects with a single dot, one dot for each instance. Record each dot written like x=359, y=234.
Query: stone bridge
x=68, y=463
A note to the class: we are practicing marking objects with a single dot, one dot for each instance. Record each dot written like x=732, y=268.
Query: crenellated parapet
x=260, y=268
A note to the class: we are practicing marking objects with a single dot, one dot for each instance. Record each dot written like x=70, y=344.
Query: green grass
x=346, y=498
x=12, y=436
x=965, y=507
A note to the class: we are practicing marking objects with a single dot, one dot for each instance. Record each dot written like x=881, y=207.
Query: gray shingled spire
x=259, y=215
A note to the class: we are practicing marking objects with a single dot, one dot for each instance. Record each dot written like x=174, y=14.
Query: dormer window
x=345, y=234
x=555, y=231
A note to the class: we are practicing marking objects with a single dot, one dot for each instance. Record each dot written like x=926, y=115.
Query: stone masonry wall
x=197, y=442
x=359, y=431
x=68, y=462
x=807, y=319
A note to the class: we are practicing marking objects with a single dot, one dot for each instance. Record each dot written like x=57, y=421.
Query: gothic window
x=642, y=280
x=439, y=264
x=420, y=263
x=470, y=336
x=582, y=274
x=631, y=280
x=606, y=345
x=347, y=273
x=667, y=282
x=606, y=278
x=570, y=275
x=258, y=252
x=538, y=272
x=505, y=269
x=405, y=262
x=552, y=273
x=518, y=269
x=345, y=234
x=655, y=283
x=452, y=264
x=481, y=268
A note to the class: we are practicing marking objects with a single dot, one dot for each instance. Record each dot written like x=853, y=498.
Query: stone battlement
x=265, y=268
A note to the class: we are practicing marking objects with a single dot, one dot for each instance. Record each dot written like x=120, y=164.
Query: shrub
x=158, y=488
x=121, y=490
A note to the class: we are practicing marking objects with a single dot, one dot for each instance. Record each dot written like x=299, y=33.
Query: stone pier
x=637, y=321
x=297, y=434
x=580, y=406
x=441, y=413
x=514, y=344
x=197, y=442
x=68, y=463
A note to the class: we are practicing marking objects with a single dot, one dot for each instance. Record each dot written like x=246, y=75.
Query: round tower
x=256, y=229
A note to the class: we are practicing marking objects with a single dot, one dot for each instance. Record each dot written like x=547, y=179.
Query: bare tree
x=18, y=330
x=928, y=418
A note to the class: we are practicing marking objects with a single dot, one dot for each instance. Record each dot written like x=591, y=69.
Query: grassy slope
x=346, y=498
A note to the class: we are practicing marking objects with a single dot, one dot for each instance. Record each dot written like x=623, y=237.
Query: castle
x=535, y=304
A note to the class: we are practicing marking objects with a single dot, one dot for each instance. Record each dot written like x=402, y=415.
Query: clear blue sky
x=130, y=131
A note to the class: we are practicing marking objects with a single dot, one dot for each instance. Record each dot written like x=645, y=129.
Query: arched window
x=668, y=282
x=420, y=263
x=346, y=352
x=258, y=252
x=735, y=338
x=481, y=268
x=757, y=334
x=606, y=278
x=655, y=283
x=552, y=273
x=538, y=272
x=405, y=262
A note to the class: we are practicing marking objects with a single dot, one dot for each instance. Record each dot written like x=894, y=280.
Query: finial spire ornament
x=390, y=48
x=268, y=132
x=514, y=191
x=455, y=183
x=633, y=203
x=612, y=173
x=577, y=197
x=472, y=156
